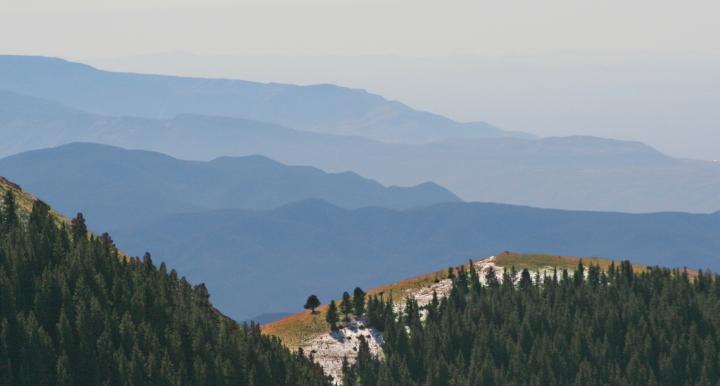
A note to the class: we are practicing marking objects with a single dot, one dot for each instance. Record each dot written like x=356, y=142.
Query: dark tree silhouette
x=78, y=227
x=332, y=315
x=359, y=301
x=346, y=306
x=312, y=303
x=490, y=277
x=525, y=279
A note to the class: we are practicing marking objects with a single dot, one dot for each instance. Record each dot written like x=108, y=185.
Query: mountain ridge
x=322, y=108
x=312, y=246
x=116, y=187
x=578, y=173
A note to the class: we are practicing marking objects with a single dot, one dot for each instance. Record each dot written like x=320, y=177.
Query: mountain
x=269, y=261
x=320, y=108
x=115, y=187
x=76, y=311
x=582, y=173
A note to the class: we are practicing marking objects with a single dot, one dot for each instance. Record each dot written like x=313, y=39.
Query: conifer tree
x=346, y=305
x=525, y=279
x=8, y=214
x=312, y=303
x=78, y=227
x=490, y=277
x=358, y=301
x=332, y=315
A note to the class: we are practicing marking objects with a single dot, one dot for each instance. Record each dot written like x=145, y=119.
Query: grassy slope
x=25, y=200
x=536, y=261
x=298, y=329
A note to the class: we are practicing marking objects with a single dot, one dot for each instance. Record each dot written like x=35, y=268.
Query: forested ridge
x=590, y=327
x=75, y=312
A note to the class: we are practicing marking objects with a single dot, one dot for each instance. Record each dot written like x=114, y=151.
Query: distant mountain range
x=269, y=261
x=115, y=187
x=320, y=108
x=583, y=173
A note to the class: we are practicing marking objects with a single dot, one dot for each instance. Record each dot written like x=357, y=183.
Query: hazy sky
x=358, y=27
x=633, y=69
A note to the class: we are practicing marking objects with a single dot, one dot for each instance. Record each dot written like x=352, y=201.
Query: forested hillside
x=74, y=311
x=587, y=327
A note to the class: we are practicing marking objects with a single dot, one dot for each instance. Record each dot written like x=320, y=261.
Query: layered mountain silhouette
x=115, y=187
x=321, y=108
x=257, y=258
x=584, y=173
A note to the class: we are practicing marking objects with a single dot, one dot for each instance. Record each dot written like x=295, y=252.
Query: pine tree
x=78, y=227
x=525, y=279
x=8, y=214
x=491, y=279
x=359, y=301
x=312, y=303
x=346, y=305
x=332, y=315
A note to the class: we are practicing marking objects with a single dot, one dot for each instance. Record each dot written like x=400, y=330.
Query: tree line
x=349, y=305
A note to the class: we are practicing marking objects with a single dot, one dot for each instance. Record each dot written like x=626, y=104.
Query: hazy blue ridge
x=115, y=187
x=253, y=260
x=323, y=108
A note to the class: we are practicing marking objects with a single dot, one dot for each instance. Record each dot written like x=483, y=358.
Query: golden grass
x=25, y=202
x=533, y=261
x=298, y=329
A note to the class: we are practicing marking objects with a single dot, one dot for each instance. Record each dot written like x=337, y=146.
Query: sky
x=632, y=69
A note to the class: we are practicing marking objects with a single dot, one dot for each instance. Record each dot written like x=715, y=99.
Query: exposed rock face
x=331, y=348
x=424, y=295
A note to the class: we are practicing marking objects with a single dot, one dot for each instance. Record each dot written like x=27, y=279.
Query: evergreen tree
x=78, y=229
x=332, y=315
x=312, y=303
x=8, y=212
x=346, y=305
x=490, y=277
x=525, y=279
x=358, y=301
